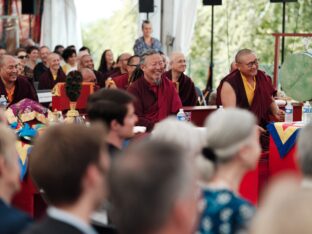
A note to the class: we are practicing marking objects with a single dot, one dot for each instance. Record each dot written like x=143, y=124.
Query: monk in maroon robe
x=182, y=82
x=14, y=88
x=86, y=61
x=123, y=81
x=232, y=89
x=54, y=75
x=157, y=97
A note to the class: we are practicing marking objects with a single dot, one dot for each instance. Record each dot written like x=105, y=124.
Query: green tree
x=117, y=33
x=244, y=24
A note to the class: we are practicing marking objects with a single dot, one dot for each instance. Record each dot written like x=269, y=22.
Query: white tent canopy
x=60, y=23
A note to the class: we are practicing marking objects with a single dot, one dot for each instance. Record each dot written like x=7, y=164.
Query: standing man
x=156, y=96
x=72, y=173
x=182, y=82
x=114, y=108
x=146, y=42
x=14, y=88
x=41, y=67
x=54, y=75
x=11, y=220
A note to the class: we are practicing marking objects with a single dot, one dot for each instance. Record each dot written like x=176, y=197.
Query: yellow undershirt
x=249, y=89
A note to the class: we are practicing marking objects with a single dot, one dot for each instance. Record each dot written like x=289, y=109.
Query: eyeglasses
x=133, y=65
x=255, y=62
x=22, y=56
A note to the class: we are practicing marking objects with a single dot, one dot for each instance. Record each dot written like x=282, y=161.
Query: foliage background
x=238, y=24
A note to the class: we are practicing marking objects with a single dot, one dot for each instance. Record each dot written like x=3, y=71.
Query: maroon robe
x=113, y=73
x=46, y=80
x=122, y=81
x=154, y=103
x=262, y=100
x=23, y=89
x=186, y=88
x=100, y=78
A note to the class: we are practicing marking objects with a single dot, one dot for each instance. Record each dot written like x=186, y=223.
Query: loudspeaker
x=146, y=6
x=28, y=7
x=273, y=1
x=212, y=2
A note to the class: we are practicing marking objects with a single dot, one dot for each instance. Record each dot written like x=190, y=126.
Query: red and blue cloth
x=284, y=135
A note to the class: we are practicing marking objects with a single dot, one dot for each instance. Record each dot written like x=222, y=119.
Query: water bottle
x=306, y=113
x=289, y=113
x=3, y=102
x=181, y=115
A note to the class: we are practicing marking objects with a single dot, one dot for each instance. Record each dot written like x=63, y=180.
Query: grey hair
x=305, y=150
x=184, y=134
x=147, y=53
x=228, y=130
x=148, y=181
x=7, y=142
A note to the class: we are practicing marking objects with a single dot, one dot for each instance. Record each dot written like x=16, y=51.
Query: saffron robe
x=122, y=81
x=262, y=100
x=46, y=80
x=154, y=103
x=186, y=89
x=23, y=89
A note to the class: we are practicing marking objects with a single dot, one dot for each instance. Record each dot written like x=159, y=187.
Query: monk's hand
x=110, y=84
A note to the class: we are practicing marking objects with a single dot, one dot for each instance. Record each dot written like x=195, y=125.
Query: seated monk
x=14, y=88
x=54, y=75
x=88, y=76
x=86, y=61
x=249, y=88
x=182, y=82
x=121, y=66
x=156, y=96
x=123, y=81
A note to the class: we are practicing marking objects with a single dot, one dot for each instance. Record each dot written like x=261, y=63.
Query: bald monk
x=54, y=75
x=182, y=82
x=123, y=81
x=249, y=88
x=121, y=67
x=156, y=95
x=86, y=61
x=14, y=88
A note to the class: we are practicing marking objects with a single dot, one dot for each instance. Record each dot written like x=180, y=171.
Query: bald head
x=86, y=61
x=8, y=68
x=53, y=61
x=177, y=62
x=87, y=75
x=241, y=53
x=122, y=61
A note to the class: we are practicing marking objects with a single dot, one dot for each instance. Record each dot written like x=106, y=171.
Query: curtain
x=60, y=24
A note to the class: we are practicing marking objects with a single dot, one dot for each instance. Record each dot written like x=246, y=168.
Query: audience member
x=146, y=42
x=70, y=58
x=84, y=48
x=153, y=190
x=123, y=81
x=11, y=220
x=14, y=88
x=185, y=134
x=86, y=61
x=32, y=59
x=157, y=97
x=88, y=75
x=107, y=62
x=58, y=49
x=42, y=67
x=182, y=82
x=232, y=148
x=69, y=164
x=54, y=75
x=2, y=51
x=305, y=155
x=115, y=109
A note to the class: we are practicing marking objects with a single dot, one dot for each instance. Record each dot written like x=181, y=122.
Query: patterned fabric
x=140, y=46
x=224, y=212
x=284, y=135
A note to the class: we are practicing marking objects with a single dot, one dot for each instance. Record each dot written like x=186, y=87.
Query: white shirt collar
x=68, y=218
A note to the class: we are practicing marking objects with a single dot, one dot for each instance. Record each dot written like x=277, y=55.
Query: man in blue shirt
x=146, y=42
